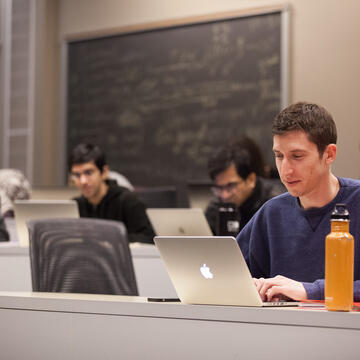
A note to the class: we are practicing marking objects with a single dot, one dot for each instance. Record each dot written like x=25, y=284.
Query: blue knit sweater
x=284, y=239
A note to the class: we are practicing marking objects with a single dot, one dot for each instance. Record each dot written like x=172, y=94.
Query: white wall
x=47, y=168
x=324, y=50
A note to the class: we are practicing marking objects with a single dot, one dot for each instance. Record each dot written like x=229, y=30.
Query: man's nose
x=225, y=194
x=286, y=168
x=83, y=179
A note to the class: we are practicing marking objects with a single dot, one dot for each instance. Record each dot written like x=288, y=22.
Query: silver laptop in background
x=26, y=210
x=179, y=222
x=210, y=270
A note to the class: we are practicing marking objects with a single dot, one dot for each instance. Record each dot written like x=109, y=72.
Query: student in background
x=235, y=170
x=284, y=243
x=103, y=198
x=13, y=186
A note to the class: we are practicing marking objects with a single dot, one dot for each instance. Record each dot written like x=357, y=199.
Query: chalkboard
x=160, y=101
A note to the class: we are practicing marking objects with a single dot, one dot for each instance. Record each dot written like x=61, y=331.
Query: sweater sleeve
x=315, y=290
x=357, y=290
x=251, y=240
x=254, y=250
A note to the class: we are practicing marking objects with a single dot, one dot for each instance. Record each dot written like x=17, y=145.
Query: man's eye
x=278, y=156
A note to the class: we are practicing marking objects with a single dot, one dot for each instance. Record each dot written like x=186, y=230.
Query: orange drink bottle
x=339, y=262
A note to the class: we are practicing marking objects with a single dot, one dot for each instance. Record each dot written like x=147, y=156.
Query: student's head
x=233, y=173
x=13, y=186
x=304, y=137
x=257, y=163
x=88, y=170
x=84, y=153
x=314, y=120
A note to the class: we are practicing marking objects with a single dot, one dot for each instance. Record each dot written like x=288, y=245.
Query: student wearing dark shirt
x=236, y=173
x=284, y=243
x=104, y=199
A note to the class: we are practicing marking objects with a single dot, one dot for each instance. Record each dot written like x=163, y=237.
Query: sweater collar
x=315, y=215
x=326, y=208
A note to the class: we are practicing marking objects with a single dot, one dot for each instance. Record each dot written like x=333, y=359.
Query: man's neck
x=322, y=196
x=96, y=199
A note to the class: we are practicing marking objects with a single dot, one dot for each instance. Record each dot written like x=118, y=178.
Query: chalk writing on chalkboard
x=160, y=101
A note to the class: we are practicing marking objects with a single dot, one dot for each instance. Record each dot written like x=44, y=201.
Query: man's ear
x=105, y=172
x=330, y=153
x=251, y=179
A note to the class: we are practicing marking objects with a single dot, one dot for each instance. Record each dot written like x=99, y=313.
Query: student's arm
x=252, y=241
x=136, y=221
x=280, y=286
x=315, y=290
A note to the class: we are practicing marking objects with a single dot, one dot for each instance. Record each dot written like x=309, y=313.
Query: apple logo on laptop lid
x=205, y=272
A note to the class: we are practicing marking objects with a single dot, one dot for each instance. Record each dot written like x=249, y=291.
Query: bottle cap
x=340, y=212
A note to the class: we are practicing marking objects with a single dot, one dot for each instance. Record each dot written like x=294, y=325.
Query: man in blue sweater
x=284, y=243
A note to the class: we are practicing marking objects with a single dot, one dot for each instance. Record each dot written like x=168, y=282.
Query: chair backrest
x=81, y=256
x=158, y=197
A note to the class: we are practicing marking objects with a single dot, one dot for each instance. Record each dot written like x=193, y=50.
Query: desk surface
x=69, y=326
x=139, y=306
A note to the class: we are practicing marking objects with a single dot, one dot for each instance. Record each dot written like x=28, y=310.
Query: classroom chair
x=158, y=197
x=81, y=256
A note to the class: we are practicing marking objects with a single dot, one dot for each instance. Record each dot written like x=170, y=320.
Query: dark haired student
x=104, y=199
x=236, y=170
x=284, y=243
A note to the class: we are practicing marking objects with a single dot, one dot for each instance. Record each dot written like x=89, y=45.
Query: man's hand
x=280, y=287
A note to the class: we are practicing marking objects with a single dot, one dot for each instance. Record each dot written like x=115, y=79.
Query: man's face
x=299, y=164
x=88, y=179
x=230, y=187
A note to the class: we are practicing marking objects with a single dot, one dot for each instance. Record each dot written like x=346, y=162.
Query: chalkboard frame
x=283, y=9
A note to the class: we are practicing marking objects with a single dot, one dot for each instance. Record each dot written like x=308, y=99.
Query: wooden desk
x=151, y=275
x=63, y=326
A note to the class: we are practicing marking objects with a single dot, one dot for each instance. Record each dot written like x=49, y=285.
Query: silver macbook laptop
x=26, y=210
x=179, y=222
x=210, y=270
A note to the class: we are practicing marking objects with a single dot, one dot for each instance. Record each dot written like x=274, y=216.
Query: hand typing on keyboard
x=280, y=288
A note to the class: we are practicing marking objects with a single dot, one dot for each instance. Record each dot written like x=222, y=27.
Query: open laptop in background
x=179, y=222
x=26, y=210
x=210, y=270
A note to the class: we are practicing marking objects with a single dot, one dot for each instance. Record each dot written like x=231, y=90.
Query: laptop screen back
x=26, y=210
x=179, y=222
x=208, y=270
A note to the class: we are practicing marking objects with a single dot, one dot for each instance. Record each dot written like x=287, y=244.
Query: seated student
x=234, y=170
x=13, y=186
x=284, y=243
x=103, y=198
